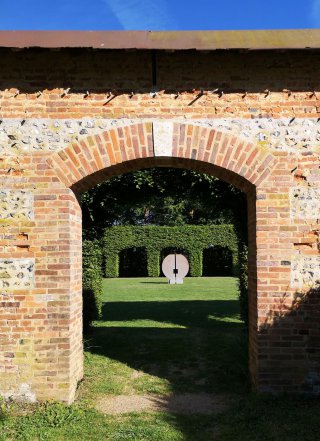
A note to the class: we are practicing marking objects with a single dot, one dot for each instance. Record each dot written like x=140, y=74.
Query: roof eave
x=164, y=40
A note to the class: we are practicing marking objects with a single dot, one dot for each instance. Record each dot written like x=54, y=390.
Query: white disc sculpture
x=175, y=267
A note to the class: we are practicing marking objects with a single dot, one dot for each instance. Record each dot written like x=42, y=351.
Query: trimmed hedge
x=91, y=281
x=191, y=238
x=243, y=282
x=117, y=238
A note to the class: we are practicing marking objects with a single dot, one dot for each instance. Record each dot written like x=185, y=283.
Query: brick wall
x=73, y=118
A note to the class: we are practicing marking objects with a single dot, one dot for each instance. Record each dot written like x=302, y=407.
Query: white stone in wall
x=285, y=134
x=16, y=274
x=29, y=135
x=22, y=392
x=162, y=138
x=305, y=203
x=16, y=204
x=305, y=272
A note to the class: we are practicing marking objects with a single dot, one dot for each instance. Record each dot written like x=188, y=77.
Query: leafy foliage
x=161, y=196
x=92, y=281
x=243, y=282
x=191, y=238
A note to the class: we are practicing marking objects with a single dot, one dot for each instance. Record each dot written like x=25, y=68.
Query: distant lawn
x=169, y=338
x=159, y=338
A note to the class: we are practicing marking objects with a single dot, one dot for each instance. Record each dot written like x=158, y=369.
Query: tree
x=162, y=196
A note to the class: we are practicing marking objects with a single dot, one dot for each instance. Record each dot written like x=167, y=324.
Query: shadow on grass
x=209, y=354
x=187, y=313
x=197, y=346
x=155, y=283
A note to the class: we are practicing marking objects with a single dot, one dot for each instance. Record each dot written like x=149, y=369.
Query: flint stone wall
x=16, y=274
x=295, y=135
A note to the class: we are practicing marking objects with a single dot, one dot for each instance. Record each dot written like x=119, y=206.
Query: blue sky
x=158, y=14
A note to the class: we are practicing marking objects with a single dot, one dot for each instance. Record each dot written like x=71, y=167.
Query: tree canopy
x=162, y=196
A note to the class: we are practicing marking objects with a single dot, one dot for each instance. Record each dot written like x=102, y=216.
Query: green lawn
x=171, y=338
x=157, y=338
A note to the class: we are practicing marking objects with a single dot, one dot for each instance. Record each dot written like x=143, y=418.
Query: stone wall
x=16, y=204
x=18, y=136
x=16, y=274
x=70, y=119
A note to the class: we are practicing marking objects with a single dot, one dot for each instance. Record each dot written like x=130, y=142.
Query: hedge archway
x=133, y=262
x=192, y=238
x=217, y=262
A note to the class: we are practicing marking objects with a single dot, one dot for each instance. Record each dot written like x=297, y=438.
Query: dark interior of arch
x=133, y=262
x=217, y=262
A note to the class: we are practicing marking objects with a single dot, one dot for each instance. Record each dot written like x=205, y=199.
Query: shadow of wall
x=292, y=339
x=35, y=69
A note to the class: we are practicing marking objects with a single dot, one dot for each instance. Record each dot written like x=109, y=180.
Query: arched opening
x=121, y=150
x=145, y=319
x=217, y=262
x=133, y=262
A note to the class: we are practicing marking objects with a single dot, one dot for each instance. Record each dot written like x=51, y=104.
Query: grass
x=159, y=338
x=169, y=338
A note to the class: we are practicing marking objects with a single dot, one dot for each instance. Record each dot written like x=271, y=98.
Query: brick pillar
x=252, y=285
x=288, y=275
x=41, y=293
x=273, y=339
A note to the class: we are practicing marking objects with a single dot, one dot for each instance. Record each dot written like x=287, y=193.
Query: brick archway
x=41, y=357
x=84, y=164
x=81, y=165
